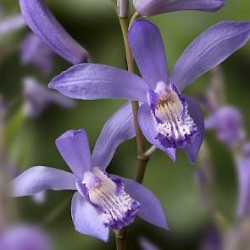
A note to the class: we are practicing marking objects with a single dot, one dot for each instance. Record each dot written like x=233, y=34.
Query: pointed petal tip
x=42, y=22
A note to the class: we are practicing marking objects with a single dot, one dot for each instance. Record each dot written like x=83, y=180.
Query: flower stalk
x=142, y=157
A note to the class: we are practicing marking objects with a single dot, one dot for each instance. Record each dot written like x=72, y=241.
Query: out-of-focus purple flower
x=24, y=237
x=102, y=201
x=212, y=240
x=168, y=119
x=34, y=51
x=41, y=21
x=154, y=7
x=11, y=24
x=38, y=97
x=243, y=169
x=227, y=121
x=145, y=244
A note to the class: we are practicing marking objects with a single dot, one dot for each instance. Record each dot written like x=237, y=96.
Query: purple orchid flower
x=34, y=51
x=38, y=97
x=7, y=25
x=154, y=7
x=102, y=201
x=41, y=21
x=168, y=118
x=228, y=123
x=211, y=240
x=243, y=169
x=24, y=237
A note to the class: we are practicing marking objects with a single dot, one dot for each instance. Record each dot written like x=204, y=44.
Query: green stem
x=142, y=158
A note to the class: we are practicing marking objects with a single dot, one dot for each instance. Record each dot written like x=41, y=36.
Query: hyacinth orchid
x=102, y=201
x=42, y=22
x=10, y=24
x=37, y=97
x=227, y=121
x=154, y=7
x=168, y=119
x=34, y=51
x=24, y=237
x=243, y=169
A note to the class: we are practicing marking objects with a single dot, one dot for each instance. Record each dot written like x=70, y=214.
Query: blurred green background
x=94, y=24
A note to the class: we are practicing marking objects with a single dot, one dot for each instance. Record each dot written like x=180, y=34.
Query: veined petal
x=118, y=128
x=148, y=50
x=86, y=220
x=154, y=7
x=208, y=50
x=195, y=112
x=89, y=81
x=39, y=178
x=148, y=129
x=151, y=209
x=44, y=24
x=73, y=146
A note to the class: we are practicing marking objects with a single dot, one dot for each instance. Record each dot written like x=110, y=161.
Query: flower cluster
x=167, y=117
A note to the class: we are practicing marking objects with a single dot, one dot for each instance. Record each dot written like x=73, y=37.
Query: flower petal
x=86, y=220
x=195, y=112
x=73, y=146
x=11, y=24
x=89, y=81
x=148, y=50
x=39, y=178
x=44, y=24
x=208, y=50
x=148, y=129
x=154, y=7
x=151, y=209
x=118, y=128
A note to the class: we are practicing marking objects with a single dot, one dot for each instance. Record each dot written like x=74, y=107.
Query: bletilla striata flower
x=168, y=119
x=42, y=22
x=243, y=169
x=24, y=237
x=37, y=97
x=34, y=51
x=102, y=201
x=227, y=121
x=154, y=7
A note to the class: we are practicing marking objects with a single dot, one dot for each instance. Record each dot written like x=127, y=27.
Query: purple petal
x=86, y=220
x=34, y=51
x=44, y=25
x=151, y=209
x=154, y=7
x=208, y=50
x=73, y=146
x=227, y=121
x=38, y=97
x=148, y=50
x=11, y=24
x=89, y=81
x=118, y=128
x=39, y=178
x=243, y=169
x=147, y=244
x=148, y=129
x=24, y=237
x=195, y=112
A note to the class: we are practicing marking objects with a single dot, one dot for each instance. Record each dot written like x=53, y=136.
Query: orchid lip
x=175, y=127
x=115, y=207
